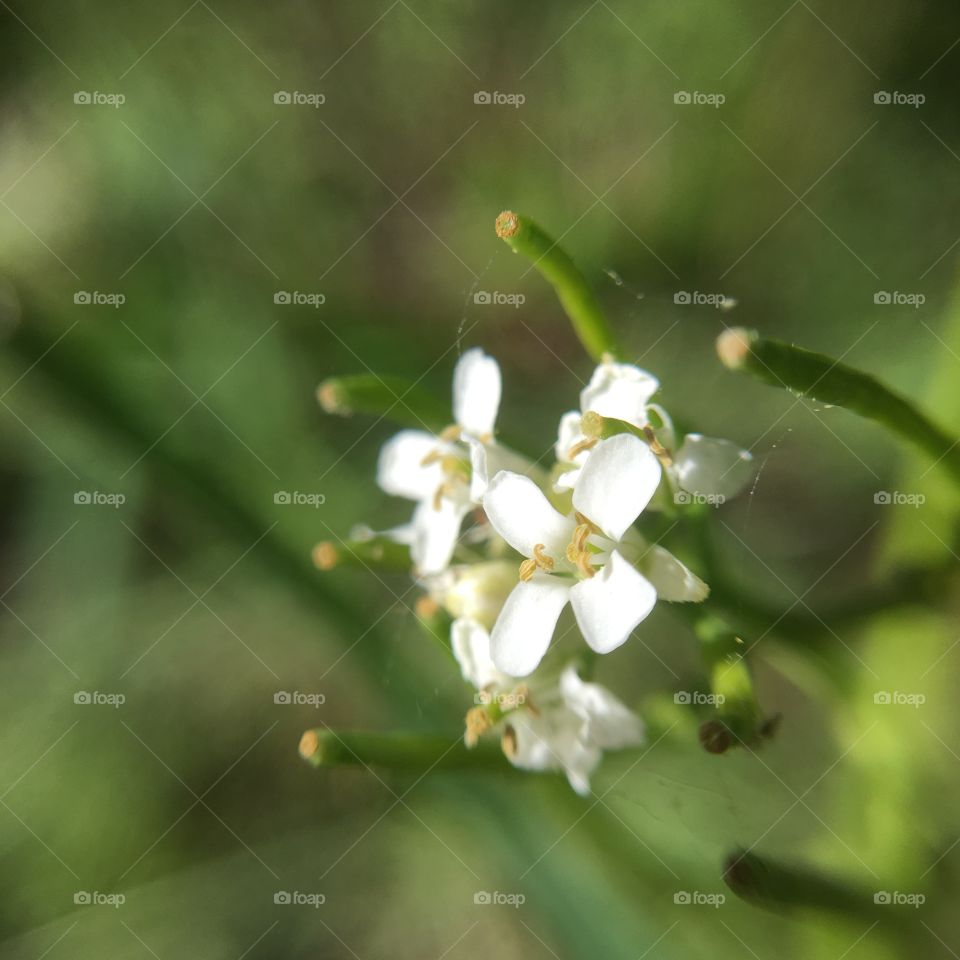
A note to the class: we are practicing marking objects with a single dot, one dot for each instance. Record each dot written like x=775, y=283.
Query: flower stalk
x=377, y=553
x=414, y=752
x=738, y=720
x=821, y=378
x=524, y=236
x=394, y=398
x=779, y=887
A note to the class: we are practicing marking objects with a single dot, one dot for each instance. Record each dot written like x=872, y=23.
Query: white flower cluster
x=573, y=530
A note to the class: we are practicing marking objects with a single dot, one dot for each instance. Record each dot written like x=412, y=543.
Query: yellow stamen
x=584, y=565
x=477, y=723
x=508, y=742
x=659, y=450
x=448, y=434
x=579, y=447
x=539, y=561
x=543, y=561
x=432, y=457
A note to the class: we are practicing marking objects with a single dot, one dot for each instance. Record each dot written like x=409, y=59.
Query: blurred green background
x=199, y=199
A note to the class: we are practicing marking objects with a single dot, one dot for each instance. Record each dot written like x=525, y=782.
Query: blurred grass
x=92, y=203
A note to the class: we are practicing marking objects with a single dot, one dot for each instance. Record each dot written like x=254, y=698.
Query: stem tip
x=325, y=556
x=309, y=744
x=733, y=346
x=508, y=225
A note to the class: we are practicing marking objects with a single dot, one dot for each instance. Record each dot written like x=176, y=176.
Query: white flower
x=618, y=390
x=435, y=471
x=589, y=559
x=706, y=466
x=474, y=591
x=551, y=723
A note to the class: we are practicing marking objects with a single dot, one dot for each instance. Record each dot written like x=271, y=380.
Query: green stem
x=377, y=553
x=394, y=398
x=524, y=236
x=828, y=381
x=413, y=752
x=778, y=887
x=738, y=717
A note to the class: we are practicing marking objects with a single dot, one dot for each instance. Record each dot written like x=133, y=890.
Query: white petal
x=617, y=482
x=476, y=392
x=712, y=467
x=670, y=578
x=610, y=604
x=488, y=459
x=607, y=723
x=471, y=647
x=400, y=469
x=619, y=390
x=569, y=433
x=525, y=626
x=435, y=533
x=479, y=469
x=522, y=515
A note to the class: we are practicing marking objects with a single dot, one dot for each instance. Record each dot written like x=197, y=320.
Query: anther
x=542, y=560
x=527, y=569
